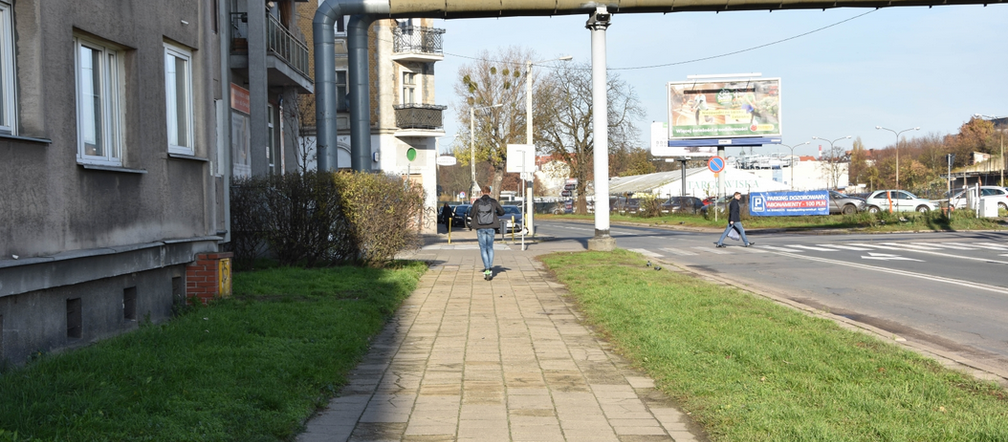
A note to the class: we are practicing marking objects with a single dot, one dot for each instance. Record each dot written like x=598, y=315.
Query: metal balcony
x=419, y=120
x=417, y=44
x=287, y=59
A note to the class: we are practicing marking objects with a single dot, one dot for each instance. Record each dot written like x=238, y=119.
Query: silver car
x=898, y=201
x=992, y=194
x=511, y=220
x=845, y=204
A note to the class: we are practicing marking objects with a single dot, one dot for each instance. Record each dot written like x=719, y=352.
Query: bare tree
x=300, y=113
x=567, y=130
x=494, y=87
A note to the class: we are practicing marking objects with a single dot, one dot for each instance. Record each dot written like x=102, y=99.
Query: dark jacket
x=733, y=211
x=497, y=210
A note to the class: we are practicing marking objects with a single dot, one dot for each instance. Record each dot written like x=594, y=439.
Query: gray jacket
x=496, y=208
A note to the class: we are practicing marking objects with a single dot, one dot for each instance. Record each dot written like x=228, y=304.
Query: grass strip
x=750, y=370
x=249, y=368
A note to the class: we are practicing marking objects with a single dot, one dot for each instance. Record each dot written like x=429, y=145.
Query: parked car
x=459, y=215
x=624, y=205
x=991, y=194
x=681, y=204
x=900, y=200
x=512, y=219
x=845, y=204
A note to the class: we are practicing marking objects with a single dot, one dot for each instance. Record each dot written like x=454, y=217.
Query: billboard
x=717, y=112
x=660, y=146
x=815, y=202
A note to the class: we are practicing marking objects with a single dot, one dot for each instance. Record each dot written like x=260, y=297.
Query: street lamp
x=831, y=151
x=475, y=188
x=530, y=197
x=791, y=162
x=897, y=147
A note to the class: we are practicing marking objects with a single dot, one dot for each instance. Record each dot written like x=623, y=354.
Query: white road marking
x=888, y=257
x=995, y=245
x=780, y=249
x=875, y=268
x=753, y=249
x=713, y=250
x=820, y=249
x=846, y=247
x=946, y=246
x=947, y=255
x=975, y=245
x=646, y=252
x=911, y=246
x=679, y=252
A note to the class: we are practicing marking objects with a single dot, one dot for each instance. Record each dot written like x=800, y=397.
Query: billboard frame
x=724, y=104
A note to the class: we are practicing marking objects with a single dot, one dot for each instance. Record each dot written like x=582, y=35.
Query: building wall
x=62, y=218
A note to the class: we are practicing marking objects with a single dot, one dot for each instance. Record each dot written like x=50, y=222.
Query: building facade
x=108, y=160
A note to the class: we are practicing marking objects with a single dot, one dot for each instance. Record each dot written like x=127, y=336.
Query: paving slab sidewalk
x=465, y=359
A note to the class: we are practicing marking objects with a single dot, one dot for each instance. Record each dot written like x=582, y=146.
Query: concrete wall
x=67, y=231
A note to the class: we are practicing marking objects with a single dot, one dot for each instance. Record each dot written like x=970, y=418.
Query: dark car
x=459, y=215
x=681, y=204
x=845, y=204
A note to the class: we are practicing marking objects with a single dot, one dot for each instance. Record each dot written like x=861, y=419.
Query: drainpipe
x=323, y=33
x=597, y=24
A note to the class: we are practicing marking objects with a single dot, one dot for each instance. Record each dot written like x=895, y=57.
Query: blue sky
x=894, y=67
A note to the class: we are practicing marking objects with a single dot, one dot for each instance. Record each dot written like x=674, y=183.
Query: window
x=342, y=99
x=178, y=92
x=99, y=109
x=8, y=122
x=409, y=88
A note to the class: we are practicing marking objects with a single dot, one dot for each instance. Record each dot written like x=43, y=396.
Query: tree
x=300, y=113
x=857, y=171
x=566, y=131
x=833, y=163
x=496, y=84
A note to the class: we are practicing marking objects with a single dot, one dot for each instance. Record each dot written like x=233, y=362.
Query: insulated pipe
x=360, y=97
x=324, y=36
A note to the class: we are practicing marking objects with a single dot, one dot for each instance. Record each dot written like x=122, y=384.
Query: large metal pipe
x=324, y=36
x=597, y=24
x=360, y=96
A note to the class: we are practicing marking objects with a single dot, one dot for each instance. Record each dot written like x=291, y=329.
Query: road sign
x=716, y=164
x=446, y=160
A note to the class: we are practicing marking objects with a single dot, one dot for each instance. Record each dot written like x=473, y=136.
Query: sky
x=898, y=68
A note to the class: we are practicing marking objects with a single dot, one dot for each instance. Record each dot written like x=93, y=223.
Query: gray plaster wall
x=50, y=202
x=69, y=232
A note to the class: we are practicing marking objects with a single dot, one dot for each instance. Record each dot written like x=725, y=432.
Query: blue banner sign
x=815, y=202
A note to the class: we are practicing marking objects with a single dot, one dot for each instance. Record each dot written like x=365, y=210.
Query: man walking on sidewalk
x=734, y=222
x=486, y=220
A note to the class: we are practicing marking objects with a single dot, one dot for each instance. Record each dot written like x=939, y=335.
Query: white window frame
x=8, y=97
x=110, y=108
x=179, y=109
x=410, y=91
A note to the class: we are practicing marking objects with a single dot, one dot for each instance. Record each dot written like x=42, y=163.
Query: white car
x=899, y=201
x=991, y=194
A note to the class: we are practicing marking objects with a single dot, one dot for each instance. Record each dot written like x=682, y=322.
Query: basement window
x=129, y=303
x=74, y=318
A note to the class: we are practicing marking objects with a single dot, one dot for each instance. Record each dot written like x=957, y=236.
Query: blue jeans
x=741, y=232
x=485, y=237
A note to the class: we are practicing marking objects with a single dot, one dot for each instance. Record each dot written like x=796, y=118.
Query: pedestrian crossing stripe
x=679, y=252
x=818, y=249
x=845, y=247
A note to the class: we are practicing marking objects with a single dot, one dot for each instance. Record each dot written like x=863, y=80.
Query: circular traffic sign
x=716, y=164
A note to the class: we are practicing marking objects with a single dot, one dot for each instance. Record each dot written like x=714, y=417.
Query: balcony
x=419, y=120
x=287, y=62
x=417, y=44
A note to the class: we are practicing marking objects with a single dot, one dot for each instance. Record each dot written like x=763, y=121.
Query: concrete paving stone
x=683, y=436
x=640, y=381
x=429, y=389
x=429, y=437
x=614, y=392
x=326, y=433
x=367, y=432
x=644, y=438
x=483, y=412
x=483, y=431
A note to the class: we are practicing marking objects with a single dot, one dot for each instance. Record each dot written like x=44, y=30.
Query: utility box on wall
x=209, y=277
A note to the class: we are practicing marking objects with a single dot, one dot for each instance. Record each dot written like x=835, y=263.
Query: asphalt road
x=944, y=291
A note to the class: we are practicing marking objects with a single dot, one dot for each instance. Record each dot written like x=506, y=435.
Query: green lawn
x=862, y=222
x=748, y=369
x=250, y=368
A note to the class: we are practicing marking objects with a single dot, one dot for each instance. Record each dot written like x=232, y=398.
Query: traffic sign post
x=716, y=164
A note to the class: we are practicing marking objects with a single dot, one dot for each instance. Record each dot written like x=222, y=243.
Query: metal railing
x=419, y=116
x=417, y=39
x=279, y=41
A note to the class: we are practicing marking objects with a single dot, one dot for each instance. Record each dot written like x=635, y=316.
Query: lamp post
x=791, y=162
x=897, y=147
x=474, y=188
x=530, y=196
x=831, y=150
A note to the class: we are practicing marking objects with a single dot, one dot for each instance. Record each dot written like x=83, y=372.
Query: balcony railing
x=419, y=116
x=417, y=40
x=279, y=42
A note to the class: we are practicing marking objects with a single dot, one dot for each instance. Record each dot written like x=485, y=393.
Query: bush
x=313, y=219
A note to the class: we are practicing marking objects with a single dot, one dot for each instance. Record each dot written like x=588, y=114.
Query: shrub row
x=319, y=218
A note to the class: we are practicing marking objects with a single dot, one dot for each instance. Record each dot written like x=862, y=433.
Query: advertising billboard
x=815, y=202
x=718, y=112
x=660, y=146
